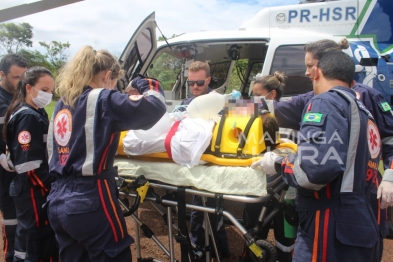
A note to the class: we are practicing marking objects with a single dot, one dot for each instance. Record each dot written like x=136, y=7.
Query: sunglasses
x=198, y=82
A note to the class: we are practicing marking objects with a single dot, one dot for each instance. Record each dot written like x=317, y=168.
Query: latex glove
x=6, y=163
x=266, y=163
x=385, y=191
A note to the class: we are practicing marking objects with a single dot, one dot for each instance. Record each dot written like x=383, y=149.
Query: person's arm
x=319, y=159
x=28, y=150
x=382, y=112
x=3, y=109
x=137, y=111
x=288, y=113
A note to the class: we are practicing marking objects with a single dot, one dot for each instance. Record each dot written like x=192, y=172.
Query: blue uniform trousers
x=336, y=230
x=35, y=239
x=7, y=208
x=87, y=219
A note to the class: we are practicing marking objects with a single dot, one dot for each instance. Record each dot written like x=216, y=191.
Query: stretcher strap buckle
x=219, y=204
x=142, y=190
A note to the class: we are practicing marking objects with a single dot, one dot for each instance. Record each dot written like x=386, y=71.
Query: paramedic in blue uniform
x=288, y=115
x=271, y=87
x=26, y=128
x=198, y=82
x=339, y=149
x=82, y=141
x=12, y=66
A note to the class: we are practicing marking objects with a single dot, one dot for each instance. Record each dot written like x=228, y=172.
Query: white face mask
x=43, y=98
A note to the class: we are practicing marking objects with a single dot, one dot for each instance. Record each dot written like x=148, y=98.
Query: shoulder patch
x=373, y=139
x=62, y=127
x=312, y=117
x=24, y=137
x=385, y=106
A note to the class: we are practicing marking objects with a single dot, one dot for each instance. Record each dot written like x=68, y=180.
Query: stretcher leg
x=263, y=250
x=170, y=234
x=148, y=233
x=209, y=232
x=168, y=220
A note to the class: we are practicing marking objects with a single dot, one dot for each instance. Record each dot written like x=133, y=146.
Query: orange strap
x=169, y=136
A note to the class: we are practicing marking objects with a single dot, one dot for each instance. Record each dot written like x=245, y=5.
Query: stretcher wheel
x=270, y=252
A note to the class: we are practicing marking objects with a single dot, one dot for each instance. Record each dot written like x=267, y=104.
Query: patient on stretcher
x=237, y=139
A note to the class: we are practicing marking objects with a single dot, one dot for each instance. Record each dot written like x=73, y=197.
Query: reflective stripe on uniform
x=27, y=166
x=302, y=179
x=49, y=145
x=1, y=120
x=19, y=254
x=10, y=222
x=156, y=94
x=349, y=173
x=387, y=140
x=87, y=167
x=45, y=138
x=20, y=110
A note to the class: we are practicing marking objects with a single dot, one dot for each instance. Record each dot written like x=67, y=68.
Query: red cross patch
x=24, y=137
x=62, y=127
x=373, y=139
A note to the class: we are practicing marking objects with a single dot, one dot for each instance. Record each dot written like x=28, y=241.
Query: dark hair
x=273, y=82
x=12, y=59
x=270, y=125
x=321, y=47
x=337, y=65
x=31, y=77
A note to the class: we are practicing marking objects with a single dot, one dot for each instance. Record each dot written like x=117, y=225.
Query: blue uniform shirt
x=27, y=132
x=83, y=140
x=288, y=115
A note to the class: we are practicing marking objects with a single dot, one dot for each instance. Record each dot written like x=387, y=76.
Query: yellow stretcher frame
x=221, y=161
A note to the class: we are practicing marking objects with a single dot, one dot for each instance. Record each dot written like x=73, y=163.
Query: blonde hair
x=199, y=65
x=80, y=70
x=273, y=82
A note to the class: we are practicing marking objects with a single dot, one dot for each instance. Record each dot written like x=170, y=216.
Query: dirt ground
x=154, y=221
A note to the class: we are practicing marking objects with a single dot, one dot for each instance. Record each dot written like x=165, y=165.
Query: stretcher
x=138, y=177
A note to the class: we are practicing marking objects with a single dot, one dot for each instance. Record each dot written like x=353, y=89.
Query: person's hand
x=385, y=191
x=7, y=165
x=266, y=163
x=130, y=90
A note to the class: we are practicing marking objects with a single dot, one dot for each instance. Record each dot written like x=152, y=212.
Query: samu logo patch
x=24, y=137
x=62, y=127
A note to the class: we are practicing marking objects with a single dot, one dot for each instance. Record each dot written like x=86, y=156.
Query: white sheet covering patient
x=187, y=145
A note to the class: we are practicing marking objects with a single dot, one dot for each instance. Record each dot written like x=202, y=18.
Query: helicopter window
x=165, y=68
x=290, y=60
x=219, y=71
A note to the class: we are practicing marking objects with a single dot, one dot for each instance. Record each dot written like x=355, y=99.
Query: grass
x=50, y=108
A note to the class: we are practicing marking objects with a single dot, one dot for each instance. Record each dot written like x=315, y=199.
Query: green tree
x=13, y=37
x=35, y=58
x=56, y=53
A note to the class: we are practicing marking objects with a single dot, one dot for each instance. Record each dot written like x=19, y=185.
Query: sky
x=109, y=24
